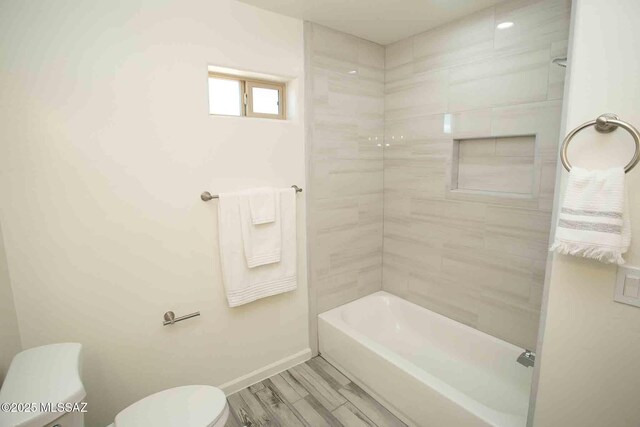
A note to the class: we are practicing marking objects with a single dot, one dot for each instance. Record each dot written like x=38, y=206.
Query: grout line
x=384, y=134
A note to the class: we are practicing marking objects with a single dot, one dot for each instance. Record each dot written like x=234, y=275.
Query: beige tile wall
x=477, y=258
x=345, y=107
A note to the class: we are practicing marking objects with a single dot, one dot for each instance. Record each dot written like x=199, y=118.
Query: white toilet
x=189, y=406
x=52, y=373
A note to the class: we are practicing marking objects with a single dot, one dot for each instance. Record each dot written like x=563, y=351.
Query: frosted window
x=225, y=97
x=265, y=101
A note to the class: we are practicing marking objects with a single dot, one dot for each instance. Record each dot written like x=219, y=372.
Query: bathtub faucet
x=527, y=358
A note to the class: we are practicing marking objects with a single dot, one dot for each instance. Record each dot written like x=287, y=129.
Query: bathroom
x=421, y=152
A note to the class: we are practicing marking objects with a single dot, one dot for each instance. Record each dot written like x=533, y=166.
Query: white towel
x=262, y=242
x=262, y=202
x=594, y=220
x=243, y=284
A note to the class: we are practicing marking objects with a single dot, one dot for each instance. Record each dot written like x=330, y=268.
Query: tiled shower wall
x=345, y=107
x=475, y=256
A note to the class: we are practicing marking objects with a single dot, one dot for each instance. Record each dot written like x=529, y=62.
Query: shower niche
x=500, y=166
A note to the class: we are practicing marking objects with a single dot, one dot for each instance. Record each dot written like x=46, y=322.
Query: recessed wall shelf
x=496, y=165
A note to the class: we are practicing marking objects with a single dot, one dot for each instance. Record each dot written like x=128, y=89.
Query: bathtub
x=427, y=369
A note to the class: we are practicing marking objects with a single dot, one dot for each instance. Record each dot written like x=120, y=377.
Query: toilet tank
x=42, y=375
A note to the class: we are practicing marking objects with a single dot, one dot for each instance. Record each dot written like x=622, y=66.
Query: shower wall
x=345, y=122
x=474, y=252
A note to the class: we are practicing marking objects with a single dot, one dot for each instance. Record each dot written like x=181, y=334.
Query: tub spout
x=527, y=358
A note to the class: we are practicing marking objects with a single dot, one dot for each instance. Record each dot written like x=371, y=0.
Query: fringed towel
x=593, y=221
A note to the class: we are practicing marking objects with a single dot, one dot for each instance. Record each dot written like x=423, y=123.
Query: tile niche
x=502, y=166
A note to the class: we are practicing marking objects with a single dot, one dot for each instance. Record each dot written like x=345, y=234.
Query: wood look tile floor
x=313, y=394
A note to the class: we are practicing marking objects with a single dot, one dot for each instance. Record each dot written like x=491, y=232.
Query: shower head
x=562, y=61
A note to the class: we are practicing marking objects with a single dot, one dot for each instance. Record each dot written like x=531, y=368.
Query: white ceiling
x=381, y=21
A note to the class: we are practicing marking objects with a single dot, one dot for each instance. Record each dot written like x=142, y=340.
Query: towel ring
x=605, y=123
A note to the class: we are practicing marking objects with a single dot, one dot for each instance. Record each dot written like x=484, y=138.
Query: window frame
x=280, y=87
x=246, y=96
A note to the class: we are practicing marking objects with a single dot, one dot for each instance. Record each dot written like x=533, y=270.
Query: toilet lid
x=188, y=406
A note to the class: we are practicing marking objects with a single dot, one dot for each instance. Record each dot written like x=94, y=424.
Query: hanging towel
x=243, y=284
x=262, y=202
x=262, y=242
x=594, y=221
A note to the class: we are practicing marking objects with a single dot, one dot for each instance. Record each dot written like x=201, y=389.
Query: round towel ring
x=604, y=124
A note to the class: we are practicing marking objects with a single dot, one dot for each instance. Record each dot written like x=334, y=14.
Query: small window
x=225, y=96
x=237, y=96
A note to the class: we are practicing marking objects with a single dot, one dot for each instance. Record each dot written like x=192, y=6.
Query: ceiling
x=381, y=21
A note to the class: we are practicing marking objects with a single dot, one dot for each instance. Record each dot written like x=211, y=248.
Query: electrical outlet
x=628, y=286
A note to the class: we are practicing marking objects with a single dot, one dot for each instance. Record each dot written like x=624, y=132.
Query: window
x=237, y=96
x=225, y=96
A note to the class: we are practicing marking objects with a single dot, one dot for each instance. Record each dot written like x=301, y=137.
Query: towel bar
x=604, y=124
x=206, y=196
x=170, y=317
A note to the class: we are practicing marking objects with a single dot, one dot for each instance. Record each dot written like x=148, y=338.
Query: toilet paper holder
x=170, y=317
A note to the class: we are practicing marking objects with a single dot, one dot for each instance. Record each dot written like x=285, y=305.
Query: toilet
x=188, y=406
x=52, y=373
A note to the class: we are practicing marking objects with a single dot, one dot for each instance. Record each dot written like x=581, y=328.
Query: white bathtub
x=427, y=369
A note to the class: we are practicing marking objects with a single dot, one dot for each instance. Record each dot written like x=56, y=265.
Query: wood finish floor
x=313, y=394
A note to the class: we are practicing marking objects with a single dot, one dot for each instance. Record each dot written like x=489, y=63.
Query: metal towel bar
x=605, y=123
x=170, y=317
x=206, y=196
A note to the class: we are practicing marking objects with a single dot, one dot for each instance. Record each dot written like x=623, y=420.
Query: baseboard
x=265, y=372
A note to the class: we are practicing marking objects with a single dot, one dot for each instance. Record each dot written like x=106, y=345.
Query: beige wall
x=477, y=257
x=345, y=86
x=9, y=333
x=106, y=146
x=589, y=374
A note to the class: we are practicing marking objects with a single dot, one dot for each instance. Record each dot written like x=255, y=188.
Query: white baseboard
x=265, y=372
